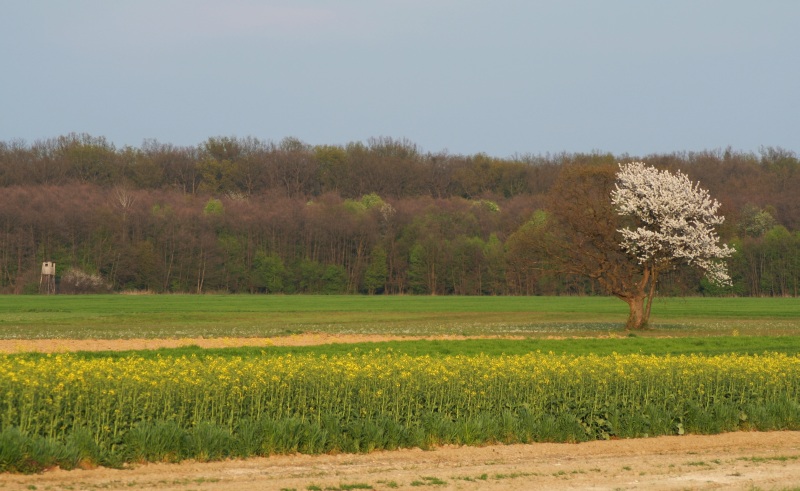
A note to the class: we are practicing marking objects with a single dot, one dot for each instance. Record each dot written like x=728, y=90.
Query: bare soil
x=305, y=339
x=737, y=461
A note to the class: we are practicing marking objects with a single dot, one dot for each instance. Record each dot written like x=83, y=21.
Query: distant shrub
x=213, y=207
x=79, y=281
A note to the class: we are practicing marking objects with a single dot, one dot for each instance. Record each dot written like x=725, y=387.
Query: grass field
x=180, y=316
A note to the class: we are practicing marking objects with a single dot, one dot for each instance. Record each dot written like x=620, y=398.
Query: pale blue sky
x=500, y=77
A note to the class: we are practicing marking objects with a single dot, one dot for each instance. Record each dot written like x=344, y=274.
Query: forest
x=244, y=215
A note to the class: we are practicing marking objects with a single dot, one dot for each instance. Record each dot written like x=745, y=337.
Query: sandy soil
x=306, y=339
x=737, y=461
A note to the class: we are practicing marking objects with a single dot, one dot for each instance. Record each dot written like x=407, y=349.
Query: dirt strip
x=306, y=339
x=733, y=461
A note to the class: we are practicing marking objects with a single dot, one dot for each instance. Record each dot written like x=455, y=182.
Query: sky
x=500, y=77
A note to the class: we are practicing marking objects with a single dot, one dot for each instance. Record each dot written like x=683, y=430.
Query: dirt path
x=306, y=339
x=738, y=461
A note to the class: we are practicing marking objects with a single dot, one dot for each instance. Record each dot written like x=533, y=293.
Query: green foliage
x=755, y=222
x=307, y=275
x=138, y=267
x=88, y=157
x=467, y=269
x=156, y=441
x=209, y=441
x=768, y=265
x=268, y=272
x=419, y=270
x=334, y=280
x=162, y=211
x=494, y=266
x=217, y=175
x=488, y=205
x=367, y=202
x=22, y=453
x=213, y=207
x=140, y=169
x=222, y=148
x=531, y=269
x=372, y=200
x=354, y=206
x=715, y=290
x=27, y=453
x=377, y=271
x=332, y=162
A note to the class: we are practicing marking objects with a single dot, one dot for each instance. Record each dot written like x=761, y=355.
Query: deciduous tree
x=674, y=223
x=624, y=229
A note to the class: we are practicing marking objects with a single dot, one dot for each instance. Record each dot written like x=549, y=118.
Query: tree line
x=247, y=215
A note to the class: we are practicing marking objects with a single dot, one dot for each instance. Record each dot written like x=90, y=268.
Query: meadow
x=179, y=316
x=570, y=374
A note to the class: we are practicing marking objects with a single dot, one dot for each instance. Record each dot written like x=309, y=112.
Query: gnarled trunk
x=636, y=317
x=640, y=299
x=651, y=293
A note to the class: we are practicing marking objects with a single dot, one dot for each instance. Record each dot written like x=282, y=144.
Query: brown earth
x=738, y=461
x=306, y=339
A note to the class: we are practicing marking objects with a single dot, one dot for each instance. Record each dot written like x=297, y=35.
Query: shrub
x=76, y=281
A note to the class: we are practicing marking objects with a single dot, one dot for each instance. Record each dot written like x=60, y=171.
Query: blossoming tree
x=623, y=226
x=673, y=222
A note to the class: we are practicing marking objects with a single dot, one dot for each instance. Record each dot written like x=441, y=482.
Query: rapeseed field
x=66, y=409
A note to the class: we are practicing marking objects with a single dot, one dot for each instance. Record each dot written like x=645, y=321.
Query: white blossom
x=675, y=219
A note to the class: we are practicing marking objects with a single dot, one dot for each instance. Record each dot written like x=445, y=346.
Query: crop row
x=379, y=399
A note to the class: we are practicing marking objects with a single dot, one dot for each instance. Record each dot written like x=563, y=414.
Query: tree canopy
x=382, y=216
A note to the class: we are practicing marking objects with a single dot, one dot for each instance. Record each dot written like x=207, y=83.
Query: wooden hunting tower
x=47, y=283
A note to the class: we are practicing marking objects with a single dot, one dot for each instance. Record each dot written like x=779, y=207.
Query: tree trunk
x=651, y=293
x=640, y=299
x=636, y=317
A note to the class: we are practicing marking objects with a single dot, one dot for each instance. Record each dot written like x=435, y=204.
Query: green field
x=181, y=316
